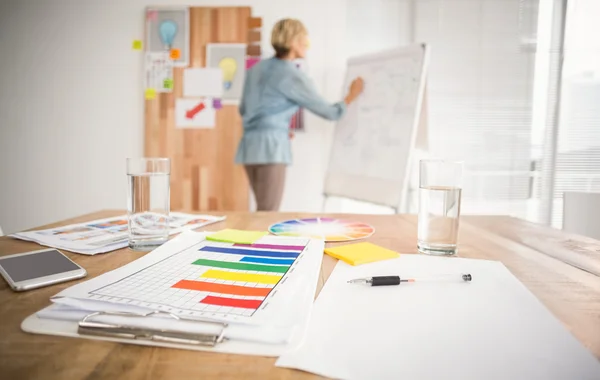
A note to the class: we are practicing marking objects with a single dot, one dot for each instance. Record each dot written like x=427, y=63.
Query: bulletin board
x=200, y=134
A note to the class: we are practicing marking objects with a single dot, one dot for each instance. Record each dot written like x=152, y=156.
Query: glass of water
x=440, y=185
x=148, y=202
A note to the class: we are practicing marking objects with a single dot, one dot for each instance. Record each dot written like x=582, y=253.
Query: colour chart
x=210, y=279
x=328, y=229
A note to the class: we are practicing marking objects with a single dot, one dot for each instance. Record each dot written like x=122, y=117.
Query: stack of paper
x=263, y=291
x=106, y=235
x=438, y=327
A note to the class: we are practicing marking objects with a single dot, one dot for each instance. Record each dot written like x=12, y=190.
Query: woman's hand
x=356, y=88
x=291, y=134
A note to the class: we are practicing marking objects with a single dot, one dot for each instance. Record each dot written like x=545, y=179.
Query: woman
x=274, y=89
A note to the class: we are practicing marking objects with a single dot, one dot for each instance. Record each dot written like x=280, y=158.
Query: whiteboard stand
x=373, y=143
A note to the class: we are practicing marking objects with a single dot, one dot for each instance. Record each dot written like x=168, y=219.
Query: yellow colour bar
x=242, y=277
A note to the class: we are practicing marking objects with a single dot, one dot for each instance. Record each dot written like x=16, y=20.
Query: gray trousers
x=267, y=182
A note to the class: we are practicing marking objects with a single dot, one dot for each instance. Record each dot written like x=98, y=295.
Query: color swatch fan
x=328, y=229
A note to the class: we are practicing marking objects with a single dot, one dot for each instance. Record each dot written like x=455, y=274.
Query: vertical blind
x=480, y=86
x=578, y=150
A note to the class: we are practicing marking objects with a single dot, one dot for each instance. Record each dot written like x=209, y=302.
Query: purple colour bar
x=271, y=246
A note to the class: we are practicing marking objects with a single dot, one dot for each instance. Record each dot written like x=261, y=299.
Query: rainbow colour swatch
x=328, y=229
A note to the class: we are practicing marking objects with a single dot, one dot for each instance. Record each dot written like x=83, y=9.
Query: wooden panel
x=254, y=36
x=571, y=294
x=253, y=50
x=203, y=175
x=254, y=23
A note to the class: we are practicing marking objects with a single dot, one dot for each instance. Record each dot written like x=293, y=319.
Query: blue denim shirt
x=274, y=89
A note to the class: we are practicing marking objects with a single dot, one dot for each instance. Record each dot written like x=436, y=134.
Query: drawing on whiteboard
x=380, y=123
x=372, y=142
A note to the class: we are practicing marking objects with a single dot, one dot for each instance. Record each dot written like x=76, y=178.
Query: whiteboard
x=373, y=141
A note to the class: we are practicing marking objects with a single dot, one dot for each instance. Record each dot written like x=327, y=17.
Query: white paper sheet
x=277, y=324
x=189, y=115
x=490, y=328
x=203, y=82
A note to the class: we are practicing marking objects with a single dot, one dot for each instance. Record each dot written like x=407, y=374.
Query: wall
x=71, y=102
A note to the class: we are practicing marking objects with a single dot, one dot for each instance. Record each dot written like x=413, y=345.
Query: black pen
x=396, y=280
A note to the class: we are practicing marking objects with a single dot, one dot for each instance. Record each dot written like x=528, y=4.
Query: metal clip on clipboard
x=89, y=327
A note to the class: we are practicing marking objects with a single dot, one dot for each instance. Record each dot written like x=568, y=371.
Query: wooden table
x=563, y=278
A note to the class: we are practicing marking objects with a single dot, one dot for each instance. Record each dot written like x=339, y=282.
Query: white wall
x=71, y=107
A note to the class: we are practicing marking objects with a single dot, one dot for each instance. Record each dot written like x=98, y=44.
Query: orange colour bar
x=222, y=288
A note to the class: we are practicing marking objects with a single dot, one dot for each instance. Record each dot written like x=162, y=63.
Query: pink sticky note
x=152, y=15
x=251, y=61
x=217, y=104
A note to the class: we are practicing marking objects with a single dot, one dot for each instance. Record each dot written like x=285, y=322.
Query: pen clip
x=89, y=327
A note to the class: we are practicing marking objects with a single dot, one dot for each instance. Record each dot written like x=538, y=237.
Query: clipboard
x=165, y=329
x=188, y=341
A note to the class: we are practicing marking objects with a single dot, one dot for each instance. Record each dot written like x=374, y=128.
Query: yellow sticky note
x=150, y=93
x=361, y=253
x=137, y=45
x=236, y=236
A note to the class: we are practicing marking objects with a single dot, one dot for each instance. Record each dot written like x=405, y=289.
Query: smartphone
x=31, y=270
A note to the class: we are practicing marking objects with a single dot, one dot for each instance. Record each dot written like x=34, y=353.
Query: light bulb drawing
x=167, y=31
x=229, y=67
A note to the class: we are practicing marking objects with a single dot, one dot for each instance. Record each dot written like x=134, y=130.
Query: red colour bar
x=222, y=288
x=233, y=302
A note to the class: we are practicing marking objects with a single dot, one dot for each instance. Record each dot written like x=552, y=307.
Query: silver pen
x=396, y=280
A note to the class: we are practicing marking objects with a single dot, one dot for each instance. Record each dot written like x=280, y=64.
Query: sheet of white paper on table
x=186, y=117
x=205, y=81
x=490, y=328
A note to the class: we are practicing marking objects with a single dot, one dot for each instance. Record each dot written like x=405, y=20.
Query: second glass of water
x=440, y=185
x=148, y=202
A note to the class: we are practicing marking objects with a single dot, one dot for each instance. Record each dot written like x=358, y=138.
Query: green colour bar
x=242, y=266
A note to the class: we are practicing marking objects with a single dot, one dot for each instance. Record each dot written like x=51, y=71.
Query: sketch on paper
x=168, y=31
x=159, y=72
x=194, y=113
x=231, y=59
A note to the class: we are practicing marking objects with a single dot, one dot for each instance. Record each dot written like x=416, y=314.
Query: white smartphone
x=31, y=270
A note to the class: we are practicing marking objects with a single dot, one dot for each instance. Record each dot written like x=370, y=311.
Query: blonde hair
x=283, y=35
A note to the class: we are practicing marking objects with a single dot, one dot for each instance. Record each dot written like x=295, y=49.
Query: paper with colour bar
x=264, y=293
x=361, y=253
x=105, y=235
x=236, y=236
x=328, y=229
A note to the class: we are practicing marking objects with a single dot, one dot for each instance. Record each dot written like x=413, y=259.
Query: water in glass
x=439, y=211
x=148, y=210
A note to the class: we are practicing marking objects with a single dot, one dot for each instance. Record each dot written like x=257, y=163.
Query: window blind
x=480, y=86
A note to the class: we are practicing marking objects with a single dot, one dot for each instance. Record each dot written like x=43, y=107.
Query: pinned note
x=217, y=104
x=137, y=45
x=175, y=54
x=150, y=93
x=361, y=253
x=251, y=61
x=168, y=83
x=236, y=236
x=152, y=15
